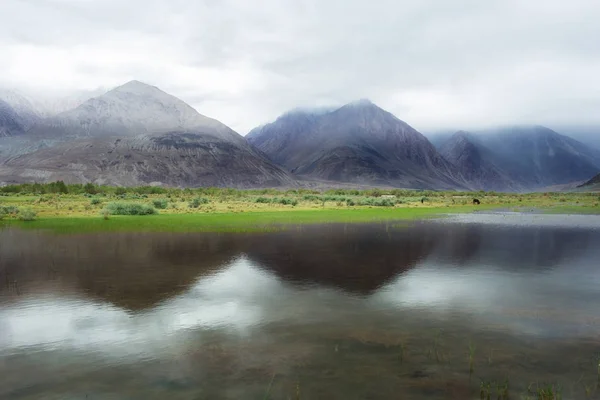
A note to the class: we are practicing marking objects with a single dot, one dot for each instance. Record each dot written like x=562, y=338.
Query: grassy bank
x=226, y=222
x=89, y=208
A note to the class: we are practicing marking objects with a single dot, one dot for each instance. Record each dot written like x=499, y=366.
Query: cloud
x=435, y=65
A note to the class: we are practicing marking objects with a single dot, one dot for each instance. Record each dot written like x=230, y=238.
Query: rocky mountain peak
x=359, y=142
x=138, y=108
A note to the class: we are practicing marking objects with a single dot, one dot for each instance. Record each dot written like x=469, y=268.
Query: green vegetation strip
x=66, y=208
x=229, y=222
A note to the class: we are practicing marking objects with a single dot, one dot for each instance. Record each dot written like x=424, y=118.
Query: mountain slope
x=130, y=109
x=520, y=158
x=537, y=156
x=475, y=163
x=137, y=134
x=593, y=185
x=10, y=122
x=359, y=143
x=25, y=111
x=54, y=105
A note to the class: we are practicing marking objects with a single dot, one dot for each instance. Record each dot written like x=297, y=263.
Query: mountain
x=133, y=108
x=538, y=156
x=55, y=104
x=475, y=163
x=439, y=138
x=10, y=122
x=25, y=112
x=593, y=185
x=520, y=158
x=358, y=143
x=47, y=105
x=136, y=134
x=588, y=134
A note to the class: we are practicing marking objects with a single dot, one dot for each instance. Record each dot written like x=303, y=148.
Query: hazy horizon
x=437, y=67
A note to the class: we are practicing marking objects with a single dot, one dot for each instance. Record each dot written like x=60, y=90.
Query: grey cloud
x=435, y=64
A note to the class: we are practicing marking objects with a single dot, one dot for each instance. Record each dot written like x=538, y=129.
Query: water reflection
x=218, y=315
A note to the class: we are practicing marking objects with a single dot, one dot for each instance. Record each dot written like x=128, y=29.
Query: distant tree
x=38, y=188
x=90, y=188
x=58, y=187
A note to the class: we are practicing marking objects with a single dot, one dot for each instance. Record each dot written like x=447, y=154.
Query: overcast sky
x=435, y=64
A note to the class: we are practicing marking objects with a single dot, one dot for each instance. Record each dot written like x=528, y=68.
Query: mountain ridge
x=474, y=163
x=137, y=134
x=357, y=142
x=522, y=157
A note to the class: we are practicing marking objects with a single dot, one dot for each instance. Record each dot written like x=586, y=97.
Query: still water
x=420, y=310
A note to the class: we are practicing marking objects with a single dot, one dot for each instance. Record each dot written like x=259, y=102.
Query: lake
x=439, y=309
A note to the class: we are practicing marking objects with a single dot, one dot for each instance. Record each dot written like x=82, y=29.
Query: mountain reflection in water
x=217, y=315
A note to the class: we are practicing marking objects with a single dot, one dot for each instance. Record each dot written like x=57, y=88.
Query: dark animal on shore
x=476, y=201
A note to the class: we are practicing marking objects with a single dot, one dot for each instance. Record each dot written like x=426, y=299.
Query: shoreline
x=260, y=221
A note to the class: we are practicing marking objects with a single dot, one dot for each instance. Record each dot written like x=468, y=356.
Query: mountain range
x=131, y=135
x=520, y=158
x=137, y=134
x=360, y=143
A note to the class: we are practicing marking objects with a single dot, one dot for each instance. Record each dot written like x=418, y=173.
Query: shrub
x=350, y=203
x=374, y=193
x=161, y=204
x=377, y=202
x=264, y=200
x=28, y=215
x=335, y=198
x=196, y=202
x=383, y=202
x=311, y=197
x=120, y=191
x=95, y=202
x=130, y=209
x=286, y=201
x=9, y=210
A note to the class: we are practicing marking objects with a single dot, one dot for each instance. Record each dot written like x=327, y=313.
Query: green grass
x=229, y=222
x=80, y=208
